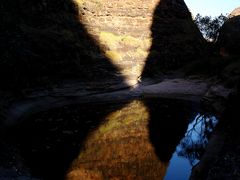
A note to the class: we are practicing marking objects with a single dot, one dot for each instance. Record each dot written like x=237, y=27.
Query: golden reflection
x=119, y=149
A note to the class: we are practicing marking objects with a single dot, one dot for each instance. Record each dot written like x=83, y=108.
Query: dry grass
x=114, y=55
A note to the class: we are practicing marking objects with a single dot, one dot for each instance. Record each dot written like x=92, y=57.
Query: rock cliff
x=44, y=42
x=135, y=35
x=93, y=41
x=229, y=36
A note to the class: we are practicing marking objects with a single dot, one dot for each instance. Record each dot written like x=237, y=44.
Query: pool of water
x=191, y=147
x=139, y=139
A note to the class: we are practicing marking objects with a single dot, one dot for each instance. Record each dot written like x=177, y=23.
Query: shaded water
x=140, y=139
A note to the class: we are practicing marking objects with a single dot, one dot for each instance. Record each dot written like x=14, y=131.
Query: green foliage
x=209, y=26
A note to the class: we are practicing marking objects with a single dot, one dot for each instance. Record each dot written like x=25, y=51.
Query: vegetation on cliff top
x=218, y=63
x=209, y=26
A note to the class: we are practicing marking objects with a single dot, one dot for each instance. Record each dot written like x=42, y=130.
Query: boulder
x=229, y=35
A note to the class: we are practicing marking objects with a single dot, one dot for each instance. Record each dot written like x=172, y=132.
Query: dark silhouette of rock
x=163, y=135
x=229, y=36
x=44, y=42
x=175, y=38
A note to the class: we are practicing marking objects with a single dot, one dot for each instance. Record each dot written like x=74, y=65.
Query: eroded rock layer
x=142, y=36
x=43, y=43
x=93, y=40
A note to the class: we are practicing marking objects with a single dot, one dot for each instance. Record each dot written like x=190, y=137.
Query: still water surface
x=140, y=139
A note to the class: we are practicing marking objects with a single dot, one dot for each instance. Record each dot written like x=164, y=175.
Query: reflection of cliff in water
x=120, y=148
x=167, y=125
x=122, y=140
x=49, y=141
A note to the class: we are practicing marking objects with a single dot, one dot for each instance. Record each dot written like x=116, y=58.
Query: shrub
x=209, y=27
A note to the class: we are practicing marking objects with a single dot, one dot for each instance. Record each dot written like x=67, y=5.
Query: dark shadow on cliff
x=168, y=123
x=228, y=42
x=44, y=43
x=175, y=39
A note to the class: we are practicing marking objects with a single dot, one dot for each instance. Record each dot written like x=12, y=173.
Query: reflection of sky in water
x=179, y=168
x=190, y=147
x=198, y=126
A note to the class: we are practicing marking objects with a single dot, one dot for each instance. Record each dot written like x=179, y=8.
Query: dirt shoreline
x=37, y=101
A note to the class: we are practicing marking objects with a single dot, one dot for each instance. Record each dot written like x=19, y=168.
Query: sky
x=212, y=7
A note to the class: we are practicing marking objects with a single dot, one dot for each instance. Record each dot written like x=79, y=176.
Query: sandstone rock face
x=235, y=12
x=135, y=33
x=44, y=43
x=122, y=29
x=229, y=36
x=93, y=40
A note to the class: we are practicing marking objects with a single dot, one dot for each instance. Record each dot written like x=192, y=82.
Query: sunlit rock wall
x=124, y=30
x=235, y=12
x=49, y=41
